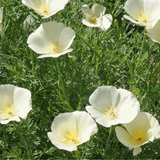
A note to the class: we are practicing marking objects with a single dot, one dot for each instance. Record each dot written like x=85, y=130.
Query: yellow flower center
x=8, y=112
x=144, y=18
x=111, y=112
x=140, y=136
x=45, y=8
x=94, y=20
x=72, y=137
x=55, y=48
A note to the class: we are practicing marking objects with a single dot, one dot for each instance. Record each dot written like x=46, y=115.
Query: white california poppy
x=142, y=12
x=141, y=130
x=68, y=130
x=15, y=103
x=51, y=39
x=95, y=17
x=45, y=8
x=111, y=106
x=1, y=18
x=153, y=31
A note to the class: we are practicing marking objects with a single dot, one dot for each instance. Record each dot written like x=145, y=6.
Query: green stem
x=61, y=85
x=77, y=154
x=107, y=144
x=32, y=60
x=96, y=53
x=140, y=54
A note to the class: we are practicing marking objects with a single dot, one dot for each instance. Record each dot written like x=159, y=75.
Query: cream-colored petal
x=134, y=8
x=128, y=106
x=98, y=10
x=104, y=96
x=56, y=55
x=51, y=31
x=17, y=119
x=139, y=123
x=38, y=43
x=124, y=137
x=136, y=150
x=153, y=31
x=106, y=22
x=156, y=132
x=66, y=38
x=86, y=126
x=22, y=101
x=86, y=10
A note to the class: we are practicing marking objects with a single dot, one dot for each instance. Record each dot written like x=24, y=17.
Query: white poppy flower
x=153, y=31
x=45, y=8
x=95, y=17
x=142, y=12
x=141, y=130
x=72, y=129
x=51, y=39
x=111, y=106
x=15, y=102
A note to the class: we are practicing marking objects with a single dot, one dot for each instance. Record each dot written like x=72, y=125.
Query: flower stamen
x=45, y=8
x=140, y=136
x=72, y=137
x=55, y=48
x=144, y=18
x=8, y=112
x=111, y=112
x=94, y=20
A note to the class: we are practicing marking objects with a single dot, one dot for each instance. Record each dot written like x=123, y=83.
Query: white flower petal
x=104, y=96
x=22, y=101
x=128, y=106
x=38, y=44
x=66, y=38
x=124, y=137
x=139, y=123
x=136, y=150
x=154, y=31
x=98, y=10
x=106, y=22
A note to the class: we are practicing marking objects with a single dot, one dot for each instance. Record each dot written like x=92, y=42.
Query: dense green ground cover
x=117, y=58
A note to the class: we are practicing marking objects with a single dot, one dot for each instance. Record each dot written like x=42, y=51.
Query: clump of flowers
x=15, y=103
